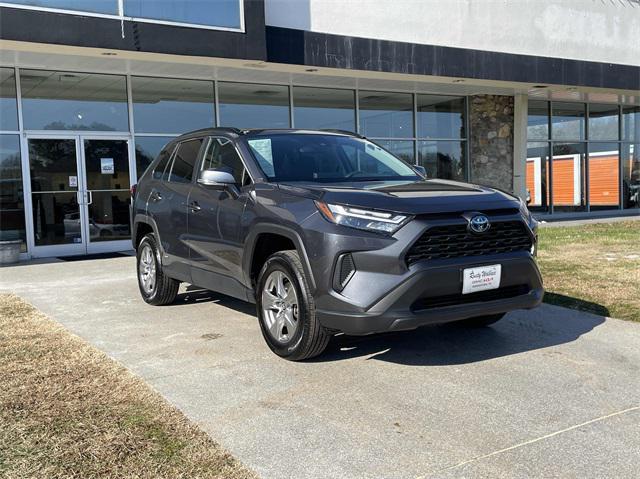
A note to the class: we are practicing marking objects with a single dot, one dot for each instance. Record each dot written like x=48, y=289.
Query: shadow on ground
x=444, y=344
x=575, y=303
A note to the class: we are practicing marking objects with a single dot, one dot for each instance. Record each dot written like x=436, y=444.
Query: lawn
x=593, y=268
x=67, y=410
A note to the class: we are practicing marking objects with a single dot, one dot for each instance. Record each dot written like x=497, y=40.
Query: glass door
x=56, y=196
x=107, y=180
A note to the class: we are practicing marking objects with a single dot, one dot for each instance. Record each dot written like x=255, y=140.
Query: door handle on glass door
x=89, y=197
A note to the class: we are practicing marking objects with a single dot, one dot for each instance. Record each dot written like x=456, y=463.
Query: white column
x=520, y=112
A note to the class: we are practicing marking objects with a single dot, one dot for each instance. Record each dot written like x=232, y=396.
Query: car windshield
x=326, y=158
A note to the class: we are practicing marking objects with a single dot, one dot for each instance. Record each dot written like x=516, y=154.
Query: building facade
x=541, y=98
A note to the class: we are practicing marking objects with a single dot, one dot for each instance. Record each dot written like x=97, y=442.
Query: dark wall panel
x=336, y=51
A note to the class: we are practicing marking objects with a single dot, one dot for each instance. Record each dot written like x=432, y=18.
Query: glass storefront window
x=164, y=105
x=386, y=115
x=604, y=176
x=147, y=150
x=568, y=179
x=109, y=7
x=631, y=123
x=630, y=156
x=12, y=223
x=247, y=105
x=568, y=121
x=443, y=159
x=537, y=175
x=73, y=101
x=220, y=13
x=318, y=108
x=8, y=103
x=440, y=116
x=403, y=149
x=603, y=122
x=538, y=120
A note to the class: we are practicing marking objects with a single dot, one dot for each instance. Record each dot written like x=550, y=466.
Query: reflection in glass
x=109, y=7
x=568, y=176
x=443, y=159
x=631, y=175
x=403, y=149
x=8, y=103
x=538, y=120
x=537, y=176
x=12, y=221
x=246, y=105
x=106, y=164
x=73, y=101
x=604, y=176
x=603, y=122
x=568, y=121
x=53, y=165
x=109, y=216
x=386, y=115
x=164, y=105
x=631, y=123
x=147, y=149
x=318, y=108
x=218, y=13
x=440, y=116
x=56, y=218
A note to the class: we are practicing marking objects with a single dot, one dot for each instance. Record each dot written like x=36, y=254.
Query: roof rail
x=343, y=132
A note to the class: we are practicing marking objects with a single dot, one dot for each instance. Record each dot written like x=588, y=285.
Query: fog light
x=345, y=269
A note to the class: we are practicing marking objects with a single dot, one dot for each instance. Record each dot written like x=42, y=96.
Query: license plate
x=481, y=278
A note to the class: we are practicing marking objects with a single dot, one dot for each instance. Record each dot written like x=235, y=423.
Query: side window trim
x=166, y=164
x=199, y=158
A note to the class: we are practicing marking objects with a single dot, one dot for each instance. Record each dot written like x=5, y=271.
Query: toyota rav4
x=328, y=232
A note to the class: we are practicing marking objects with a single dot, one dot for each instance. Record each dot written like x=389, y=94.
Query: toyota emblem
x=479, y=224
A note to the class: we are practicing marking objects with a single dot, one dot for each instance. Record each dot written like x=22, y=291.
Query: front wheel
x=156, y=288
x=481, y=321
x=286, y=310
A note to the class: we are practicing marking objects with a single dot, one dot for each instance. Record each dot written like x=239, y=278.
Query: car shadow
x=450, y=344
x=445, y=344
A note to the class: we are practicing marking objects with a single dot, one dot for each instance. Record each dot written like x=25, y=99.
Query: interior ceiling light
x=540, y=86
x=310, y=70
x=255, y=65
x=459, y=80
x=108, y=54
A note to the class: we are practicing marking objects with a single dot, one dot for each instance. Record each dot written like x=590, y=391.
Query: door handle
x=90, y=199
x=155, y=196
x=194, y=206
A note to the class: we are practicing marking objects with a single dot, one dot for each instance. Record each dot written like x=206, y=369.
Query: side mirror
x=218, y=180
x=420, y=169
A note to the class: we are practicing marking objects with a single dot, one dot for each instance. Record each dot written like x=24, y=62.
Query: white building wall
x=595, y=30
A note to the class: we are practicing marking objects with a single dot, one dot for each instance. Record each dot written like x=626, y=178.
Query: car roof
x=248, y=132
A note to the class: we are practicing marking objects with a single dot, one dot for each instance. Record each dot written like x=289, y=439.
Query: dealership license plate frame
x=481, y=278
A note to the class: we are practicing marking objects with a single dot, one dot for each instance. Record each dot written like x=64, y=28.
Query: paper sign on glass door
x=73, y=182
x=106, y=166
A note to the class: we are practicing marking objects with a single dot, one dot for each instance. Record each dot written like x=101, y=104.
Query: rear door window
x=164, y=157
x=184, y=161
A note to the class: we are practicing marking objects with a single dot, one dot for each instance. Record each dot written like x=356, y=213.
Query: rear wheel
x=286, y=309
x=155, y=287
x=481, y=321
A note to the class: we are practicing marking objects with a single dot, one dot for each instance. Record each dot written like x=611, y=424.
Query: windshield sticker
x=264, y=155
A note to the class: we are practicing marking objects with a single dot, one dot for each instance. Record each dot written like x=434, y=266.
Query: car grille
x=455, y=241
x=481, y=296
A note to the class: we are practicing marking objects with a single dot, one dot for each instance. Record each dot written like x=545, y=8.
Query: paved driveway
x=550, y=392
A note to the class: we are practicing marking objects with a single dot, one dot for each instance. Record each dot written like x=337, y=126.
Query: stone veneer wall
x=491, y=140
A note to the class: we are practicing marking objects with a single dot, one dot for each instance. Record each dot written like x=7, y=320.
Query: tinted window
x=325, y=158
x=147, y=149
x=8, y=104
x=247, y=105
x=440, y=116
x=93, y=6
x=73, y=101
x=165, y=155
x=221, y=155
x=218, y=13
x=318, y=108
x=184, y=161
x=386, y=115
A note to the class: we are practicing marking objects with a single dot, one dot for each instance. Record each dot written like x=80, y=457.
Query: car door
x=168, y=207
x=215, y=218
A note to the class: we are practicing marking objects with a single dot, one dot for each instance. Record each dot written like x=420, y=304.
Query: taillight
x=133, y=191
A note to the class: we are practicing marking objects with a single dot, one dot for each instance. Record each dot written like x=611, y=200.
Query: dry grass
x=594, y=267
x=67, y=410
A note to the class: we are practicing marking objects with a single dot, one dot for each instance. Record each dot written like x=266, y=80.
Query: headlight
x=362, y=219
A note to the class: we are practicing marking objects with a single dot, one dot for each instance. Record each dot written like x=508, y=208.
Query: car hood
x=410, y=197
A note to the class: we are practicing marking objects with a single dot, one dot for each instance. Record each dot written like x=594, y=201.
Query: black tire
x=164, y=289
x=481, y=321
x=310, y=337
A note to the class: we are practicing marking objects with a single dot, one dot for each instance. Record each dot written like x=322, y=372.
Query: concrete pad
x=549, y=392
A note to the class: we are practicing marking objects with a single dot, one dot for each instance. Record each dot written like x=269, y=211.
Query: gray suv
x=328, y=232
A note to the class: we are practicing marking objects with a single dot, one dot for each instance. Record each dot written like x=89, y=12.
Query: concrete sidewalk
x=549, y=392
